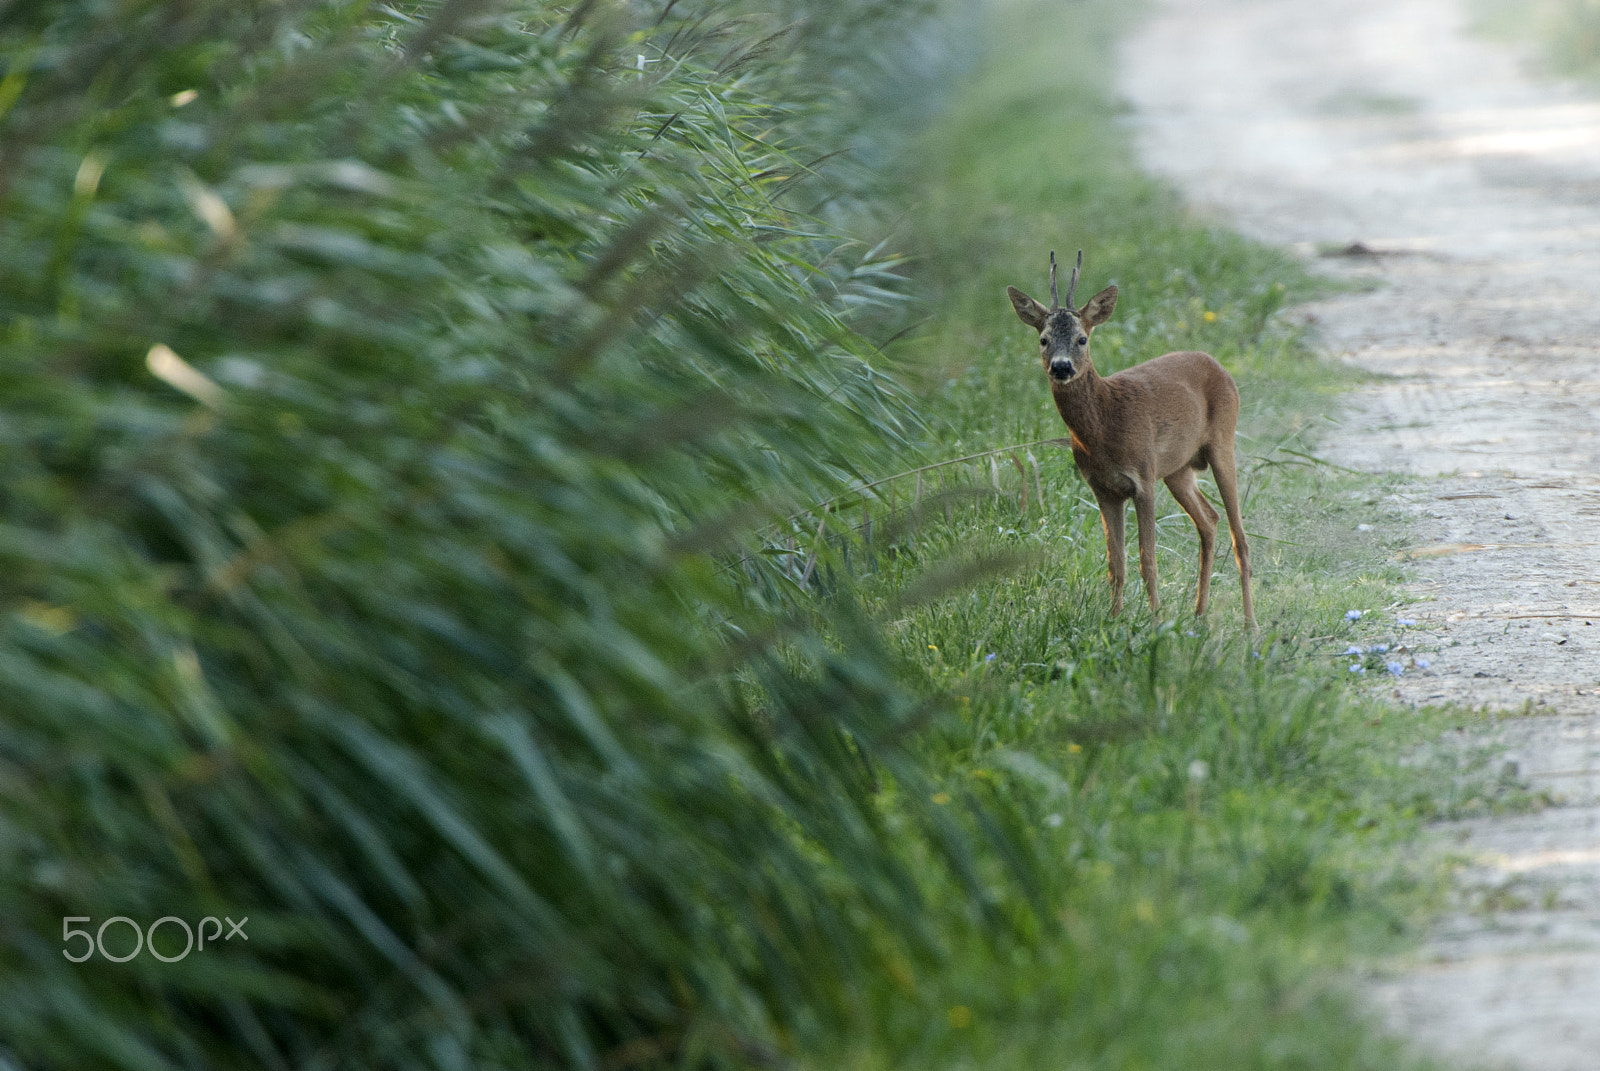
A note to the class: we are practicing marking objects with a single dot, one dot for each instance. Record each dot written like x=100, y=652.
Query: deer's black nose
x=1060, y=368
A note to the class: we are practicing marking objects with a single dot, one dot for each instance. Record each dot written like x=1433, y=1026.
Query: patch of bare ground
x=1463, y=198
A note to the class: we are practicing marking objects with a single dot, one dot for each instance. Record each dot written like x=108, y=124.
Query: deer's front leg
x=1111, y=516
x=1144, y=512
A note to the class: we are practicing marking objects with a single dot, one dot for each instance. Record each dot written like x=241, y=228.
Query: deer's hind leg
x=1113, y=518
x=1222, y=468
x=1187, y=493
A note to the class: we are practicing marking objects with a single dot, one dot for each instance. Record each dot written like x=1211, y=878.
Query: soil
x=1460, y=196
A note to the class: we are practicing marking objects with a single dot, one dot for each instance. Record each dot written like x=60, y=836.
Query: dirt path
x=1478, y=191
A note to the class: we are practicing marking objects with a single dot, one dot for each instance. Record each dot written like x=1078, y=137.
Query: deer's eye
x=1083, y=340
x=1044, y=340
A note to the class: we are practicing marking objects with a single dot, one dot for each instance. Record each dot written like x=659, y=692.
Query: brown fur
x=1162, y=420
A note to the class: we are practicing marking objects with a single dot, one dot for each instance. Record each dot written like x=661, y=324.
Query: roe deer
x=1165, y=419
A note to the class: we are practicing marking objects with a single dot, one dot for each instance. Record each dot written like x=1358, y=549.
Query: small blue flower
x=1356, y=667
x=1190, y=632
x=989, y=657
x=1394, y=668
x=1405, y=622
x=1354, y=651
x=1421, y=663
x=1378, y=648
x=1352, y=615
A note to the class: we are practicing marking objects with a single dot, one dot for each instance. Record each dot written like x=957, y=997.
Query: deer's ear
x=1029, y=311
x=1097, y=310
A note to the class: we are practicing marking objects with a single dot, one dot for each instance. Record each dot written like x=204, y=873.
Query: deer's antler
x=1054, y=302
x=1071, y=286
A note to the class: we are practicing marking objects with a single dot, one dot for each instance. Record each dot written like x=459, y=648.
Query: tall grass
x=381, y=386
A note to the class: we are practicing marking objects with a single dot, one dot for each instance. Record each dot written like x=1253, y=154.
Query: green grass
x=1566, y=33
x=399, y=622
x=1219, y=820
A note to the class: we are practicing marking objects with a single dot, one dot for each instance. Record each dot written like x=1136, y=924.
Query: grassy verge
x=1220, y=817
x=1566, y=33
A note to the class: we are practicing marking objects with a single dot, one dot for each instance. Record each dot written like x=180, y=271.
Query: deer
x=1165, y=419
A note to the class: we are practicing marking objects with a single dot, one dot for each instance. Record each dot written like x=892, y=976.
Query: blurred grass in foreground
x=383, y=389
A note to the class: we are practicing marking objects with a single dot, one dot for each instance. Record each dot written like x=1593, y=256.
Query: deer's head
x=1063, y=330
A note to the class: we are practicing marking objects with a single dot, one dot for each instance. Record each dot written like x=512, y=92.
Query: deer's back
x=1181, y=403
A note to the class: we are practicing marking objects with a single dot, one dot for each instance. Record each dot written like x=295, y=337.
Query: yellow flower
x=931, y=647
x=1209, y=317
x=57, y=620
x=960, y=1016
x=1074, y=748
x=941, y=798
